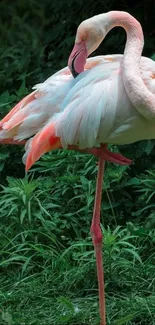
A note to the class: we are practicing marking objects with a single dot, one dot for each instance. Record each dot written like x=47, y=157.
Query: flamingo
x=97, y=101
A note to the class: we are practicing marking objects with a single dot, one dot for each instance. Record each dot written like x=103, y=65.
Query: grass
x=48, y=272
x=62, y=292
x=43, y=282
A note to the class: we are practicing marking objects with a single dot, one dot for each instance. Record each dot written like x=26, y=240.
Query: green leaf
x=153, y=57
x=67, y=303
x=134, y=253
x=125, y=319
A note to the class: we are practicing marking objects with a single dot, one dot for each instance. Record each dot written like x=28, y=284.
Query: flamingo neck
x=142, y=99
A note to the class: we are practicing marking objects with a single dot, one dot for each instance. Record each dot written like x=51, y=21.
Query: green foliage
x=47, y=265
x=47, y=253
x=50, y=283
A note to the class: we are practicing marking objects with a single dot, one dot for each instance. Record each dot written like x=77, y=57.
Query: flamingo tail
x=16, y=108
x=44, y=141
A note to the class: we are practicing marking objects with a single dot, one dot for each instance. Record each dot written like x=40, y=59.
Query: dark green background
x=47, y=264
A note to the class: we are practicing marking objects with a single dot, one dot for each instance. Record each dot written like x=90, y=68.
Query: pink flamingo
x=111, y=100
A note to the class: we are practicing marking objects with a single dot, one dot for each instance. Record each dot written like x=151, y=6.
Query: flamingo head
x=89, y=36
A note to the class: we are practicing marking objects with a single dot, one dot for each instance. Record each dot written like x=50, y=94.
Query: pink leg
x=97, y=240
x=107, y=155
x=11, y=141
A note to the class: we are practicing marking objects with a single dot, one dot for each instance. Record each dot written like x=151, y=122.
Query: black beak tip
x=74, y=73
x=72, y=69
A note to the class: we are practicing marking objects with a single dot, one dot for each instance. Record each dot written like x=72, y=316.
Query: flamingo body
x=98, y=110
x=91, y=109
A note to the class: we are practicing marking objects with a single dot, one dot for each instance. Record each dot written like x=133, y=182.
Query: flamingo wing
x=91, y=101
x=81, y=112
x=33, y=112
x=96, y=109
x=28, y=116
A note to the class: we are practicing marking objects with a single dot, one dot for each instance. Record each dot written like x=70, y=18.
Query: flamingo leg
x=107, y=155
x=97, y=239
x=11, y=141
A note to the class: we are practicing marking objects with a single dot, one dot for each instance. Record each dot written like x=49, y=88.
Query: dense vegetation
x=48, y=273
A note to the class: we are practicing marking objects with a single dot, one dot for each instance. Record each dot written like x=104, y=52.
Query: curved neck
x=142, y=99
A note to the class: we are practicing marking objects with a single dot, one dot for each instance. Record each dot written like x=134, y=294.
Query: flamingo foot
x=11, y=141
x=105, y=154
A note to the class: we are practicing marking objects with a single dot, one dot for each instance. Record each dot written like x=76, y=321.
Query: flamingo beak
x=77, y=58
